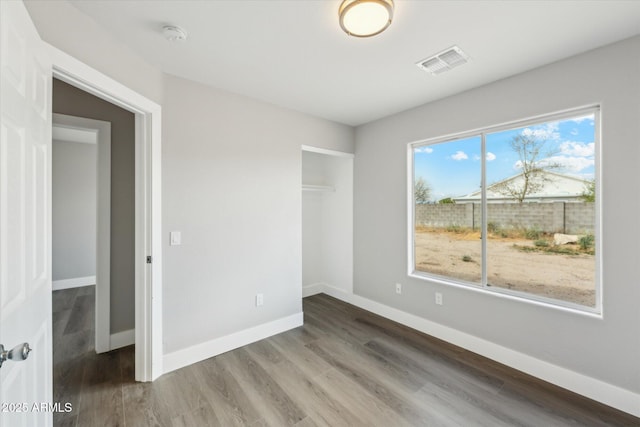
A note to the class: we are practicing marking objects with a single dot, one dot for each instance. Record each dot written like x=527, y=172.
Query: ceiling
x=293, y=53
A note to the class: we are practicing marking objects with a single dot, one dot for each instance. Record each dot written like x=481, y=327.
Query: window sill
x=593, y=313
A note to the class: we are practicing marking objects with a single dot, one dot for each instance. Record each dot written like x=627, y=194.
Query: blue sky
x=453, y=168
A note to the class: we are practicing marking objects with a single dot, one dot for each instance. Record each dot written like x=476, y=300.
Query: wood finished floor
x=344, y=367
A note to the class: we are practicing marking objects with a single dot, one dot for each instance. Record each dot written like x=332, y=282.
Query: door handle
x=17, y=353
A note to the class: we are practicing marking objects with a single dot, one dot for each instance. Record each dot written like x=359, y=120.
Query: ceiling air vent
x=444, y=61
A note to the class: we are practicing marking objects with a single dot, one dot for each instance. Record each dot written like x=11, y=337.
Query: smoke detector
x=444, y=61
x=174, y=33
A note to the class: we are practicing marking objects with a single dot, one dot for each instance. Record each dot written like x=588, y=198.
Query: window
x=511, y=209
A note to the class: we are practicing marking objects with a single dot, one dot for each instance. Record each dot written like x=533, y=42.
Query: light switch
x=175, y=238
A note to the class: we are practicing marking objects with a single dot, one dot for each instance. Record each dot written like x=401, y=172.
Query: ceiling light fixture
x=365, y=18
x=174, y=33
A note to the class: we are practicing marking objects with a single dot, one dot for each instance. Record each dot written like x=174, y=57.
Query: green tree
x=421, y=190
x=533, y=163
x=589, y=192
x=447, y=200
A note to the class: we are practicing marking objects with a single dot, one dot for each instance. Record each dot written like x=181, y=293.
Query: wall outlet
x=398, y=288
x=439, y=298
x=259, y=300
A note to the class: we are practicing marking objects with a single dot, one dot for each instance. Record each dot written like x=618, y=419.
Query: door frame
x=148, y=203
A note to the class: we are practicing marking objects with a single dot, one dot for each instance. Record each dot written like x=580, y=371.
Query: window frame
x=483, y=287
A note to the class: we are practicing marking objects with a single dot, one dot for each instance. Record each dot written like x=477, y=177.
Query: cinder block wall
x=552, y=217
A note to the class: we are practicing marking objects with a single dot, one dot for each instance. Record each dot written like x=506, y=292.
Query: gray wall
x=607, y=349
x=74, y=102
x=313, y=173
x=553, y=217
x=223, y=155
x=73, y=200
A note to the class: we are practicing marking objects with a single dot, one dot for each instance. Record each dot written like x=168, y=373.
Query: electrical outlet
x=259, y=300
x=439, y=298
x=398, y=288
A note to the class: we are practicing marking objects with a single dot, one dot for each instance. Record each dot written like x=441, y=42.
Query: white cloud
x=574, y=132
x=579, y=149
x=546, y=131
x=583, y=118
x=568, y=163
x=427, y=150
x=460, y=155
x=490, y=156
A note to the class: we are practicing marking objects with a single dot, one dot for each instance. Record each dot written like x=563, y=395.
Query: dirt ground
x=564, y=277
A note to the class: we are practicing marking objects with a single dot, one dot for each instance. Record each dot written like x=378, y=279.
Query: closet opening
x=327, y=221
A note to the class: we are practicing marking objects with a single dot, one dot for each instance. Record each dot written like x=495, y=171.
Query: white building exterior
x=553, y=187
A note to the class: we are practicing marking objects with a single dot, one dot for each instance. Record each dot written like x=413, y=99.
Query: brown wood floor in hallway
x=344, y=367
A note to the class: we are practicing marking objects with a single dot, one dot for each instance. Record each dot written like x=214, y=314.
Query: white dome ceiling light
x=365, y=18
x=174, y=33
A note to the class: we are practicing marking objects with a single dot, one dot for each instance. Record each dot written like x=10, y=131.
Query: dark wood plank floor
x=344, y=367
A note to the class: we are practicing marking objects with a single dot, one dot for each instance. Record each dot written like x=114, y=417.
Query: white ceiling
x=293, y=53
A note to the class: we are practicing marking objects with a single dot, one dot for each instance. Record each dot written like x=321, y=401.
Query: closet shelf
x=325, y=188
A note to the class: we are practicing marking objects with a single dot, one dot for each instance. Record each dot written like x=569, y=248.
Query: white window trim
x=510, y=294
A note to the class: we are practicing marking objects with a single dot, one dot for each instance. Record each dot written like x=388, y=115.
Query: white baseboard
x=617, y=397
x=181, y=358
x=76, y=282
x=316, y=288
x=122, y=339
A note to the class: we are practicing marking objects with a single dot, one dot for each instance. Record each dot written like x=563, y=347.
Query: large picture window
x=511, y=209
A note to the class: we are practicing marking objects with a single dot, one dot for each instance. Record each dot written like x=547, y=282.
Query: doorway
x=81, y=220
x=147, y=199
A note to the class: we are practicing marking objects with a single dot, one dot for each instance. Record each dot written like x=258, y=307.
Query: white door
x=25, y=219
